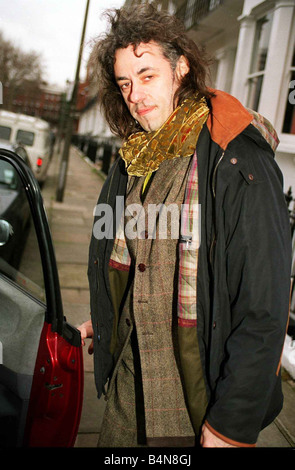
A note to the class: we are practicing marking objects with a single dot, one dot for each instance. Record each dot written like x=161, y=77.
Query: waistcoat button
x=141, y=267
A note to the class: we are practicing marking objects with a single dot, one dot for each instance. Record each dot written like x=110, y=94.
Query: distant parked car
x=32, y=133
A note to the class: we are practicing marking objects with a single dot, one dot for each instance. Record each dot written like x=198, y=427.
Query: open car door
x=41, y=362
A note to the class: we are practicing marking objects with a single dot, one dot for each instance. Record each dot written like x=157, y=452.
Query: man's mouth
x=144, y=111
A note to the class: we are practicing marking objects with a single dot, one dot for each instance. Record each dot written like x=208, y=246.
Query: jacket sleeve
x=257, y=275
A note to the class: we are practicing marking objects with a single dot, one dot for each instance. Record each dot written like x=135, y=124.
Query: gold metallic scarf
x=143, y=152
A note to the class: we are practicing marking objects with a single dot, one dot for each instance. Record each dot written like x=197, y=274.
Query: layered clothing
x=242, y=278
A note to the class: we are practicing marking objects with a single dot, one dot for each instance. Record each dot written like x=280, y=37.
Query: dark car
x=15, y=212
x=41, y=365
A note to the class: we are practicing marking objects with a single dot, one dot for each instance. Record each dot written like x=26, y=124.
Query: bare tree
x=20, y=72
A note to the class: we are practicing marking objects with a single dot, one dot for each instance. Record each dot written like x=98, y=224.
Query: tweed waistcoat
x=154, y=300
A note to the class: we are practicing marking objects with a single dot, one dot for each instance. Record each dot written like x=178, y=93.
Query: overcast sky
x=53, y=28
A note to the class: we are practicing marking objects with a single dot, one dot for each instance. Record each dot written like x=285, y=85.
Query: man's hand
x=86, y=331
x=208, y=439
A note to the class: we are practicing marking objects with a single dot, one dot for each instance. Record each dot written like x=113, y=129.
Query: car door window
x=22, y=302
x=19, y=253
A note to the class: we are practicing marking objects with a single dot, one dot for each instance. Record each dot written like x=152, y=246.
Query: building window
x=259, y=56
x=171, y=7
x=289, y=119
x=195, y=11
x=213, y=4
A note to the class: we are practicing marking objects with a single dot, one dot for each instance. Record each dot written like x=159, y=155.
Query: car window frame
x=25, y=131
x=54, y=308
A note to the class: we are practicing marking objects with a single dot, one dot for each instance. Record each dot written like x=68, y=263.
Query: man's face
x=148, y=83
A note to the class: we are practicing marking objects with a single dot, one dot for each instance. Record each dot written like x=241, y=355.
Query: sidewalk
x=71, y=225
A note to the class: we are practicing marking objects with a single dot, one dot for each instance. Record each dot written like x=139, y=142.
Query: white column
x=243, y=57
x=225, y=59
x=275, y=68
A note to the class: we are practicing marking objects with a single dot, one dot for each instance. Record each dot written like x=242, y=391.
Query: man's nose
x=137, y=93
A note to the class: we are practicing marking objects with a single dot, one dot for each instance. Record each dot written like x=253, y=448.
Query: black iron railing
x=192, y=12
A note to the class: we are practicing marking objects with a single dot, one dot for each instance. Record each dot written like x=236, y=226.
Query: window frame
x=252, y=75
x=286, y=139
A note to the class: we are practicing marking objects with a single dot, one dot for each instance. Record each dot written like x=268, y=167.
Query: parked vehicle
x=33, y=133
x=18, y=149
x=41, y=362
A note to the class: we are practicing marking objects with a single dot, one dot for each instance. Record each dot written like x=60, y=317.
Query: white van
x=33, y=133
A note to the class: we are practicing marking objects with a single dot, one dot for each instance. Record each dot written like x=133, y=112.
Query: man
x=188, y=330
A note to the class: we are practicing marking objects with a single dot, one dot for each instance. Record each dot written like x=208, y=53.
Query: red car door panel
x=57, y=388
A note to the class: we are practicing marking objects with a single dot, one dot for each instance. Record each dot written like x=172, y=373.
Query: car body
x=34, y=134
x=18, y=149
x=41, y=362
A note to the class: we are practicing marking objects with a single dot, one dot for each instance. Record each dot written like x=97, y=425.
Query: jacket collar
x=227, y=118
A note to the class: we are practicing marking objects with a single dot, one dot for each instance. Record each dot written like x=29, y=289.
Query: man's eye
x=148, y=78
x=125, y=86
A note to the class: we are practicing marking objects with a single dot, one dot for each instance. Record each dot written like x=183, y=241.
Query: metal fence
x=193, y=11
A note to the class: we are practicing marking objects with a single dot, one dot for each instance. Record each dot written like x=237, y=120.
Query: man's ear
x=182, y=67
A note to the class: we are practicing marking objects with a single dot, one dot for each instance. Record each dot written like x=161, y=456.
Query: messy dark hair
x=142, y=24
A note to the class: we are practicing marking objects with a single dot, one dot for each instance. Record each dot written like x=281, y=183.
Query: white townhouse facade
x=264, y=72
x=253, y=44
x=93, y=124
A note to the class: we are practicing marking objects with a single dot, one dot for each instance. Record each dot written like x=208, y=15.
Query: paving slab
x=72, y=275
x=92, y=414
x=286, y=419
x=272, y=437
x=71, y=253
x=75, y=296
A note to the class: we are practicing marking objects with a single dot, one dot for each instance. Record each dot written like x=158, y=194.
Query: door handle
x=53, y=386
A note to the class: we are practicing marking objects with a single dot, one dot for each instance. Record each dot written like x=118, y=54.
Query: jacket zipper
x=100, y=324
x=214, y=174
x=214, y=195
